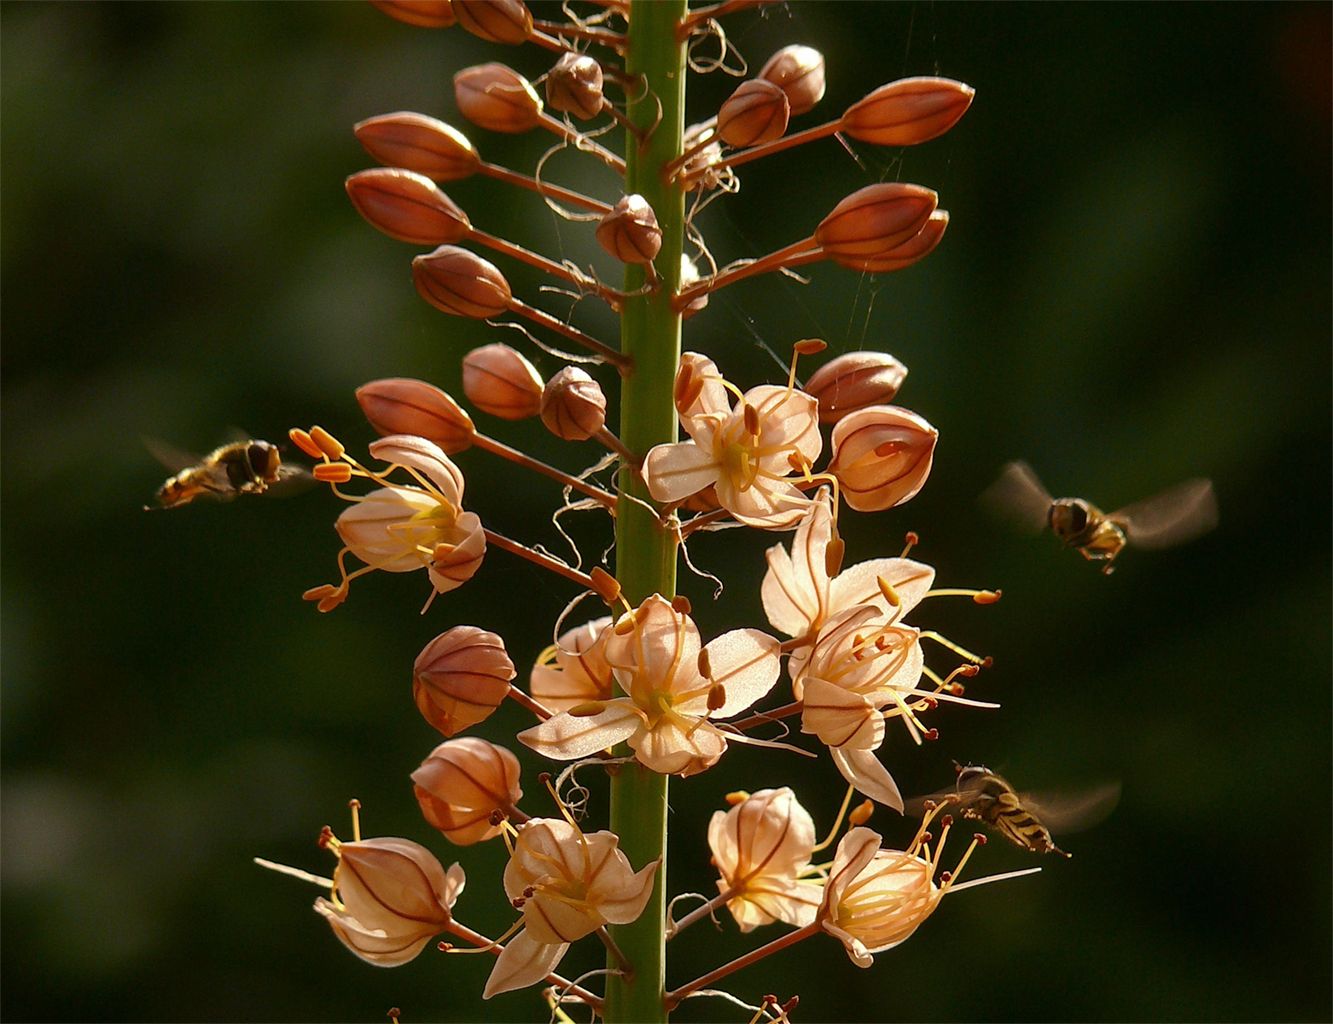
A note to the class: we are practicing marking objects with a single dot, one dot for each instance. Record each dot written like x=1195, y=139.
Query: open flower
x=675, y=689
x=390, y=897
x=801, y=594
x=748, y=453
x=875, y=898
x=403, y=527
x=762, y=847
x=858, y=667
x=573, y=670
x=568, y=885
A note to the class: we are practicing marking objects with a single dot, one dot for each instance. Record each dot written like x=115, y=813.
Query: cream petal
x=745, y=662
x=787, y=417
x=521, y=963
x=673, y=748
x=855, y=850
x=427, y=458
x=565, y=737
x=840, y=718
x=626, y=901
x=374, y=946
x=765, y=505
x=860, y=585
x=711, y=405
x=365, y=528
x=549, y=919
x=864, y=771
x=661, y=652
x=792, y=902
x=795, y=590
x=675, y=471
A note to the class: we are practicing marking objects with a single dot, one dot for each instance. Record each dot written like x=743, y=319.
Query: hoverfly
x=242, y=467
x=1182, y=513
x=1026, y=821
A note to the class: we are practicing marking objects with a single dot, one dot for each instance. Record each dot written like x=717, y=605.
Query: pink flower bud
x=881, y=456
x=497, y=98
x=461, y=283
x=499, y=21
x=573, y=405
x=905, y=253
x=462, y=783
x=400, y=405
x=630, y=231
x=799, y=72
x=499, y=380
x=908, y=111
x=756, y=112
x=574, y=86
x=421, y=13
x=854, y=381
x=418, y=143
x=406, y=206
x=460, y=678
x=391, y=897
x=874, y=219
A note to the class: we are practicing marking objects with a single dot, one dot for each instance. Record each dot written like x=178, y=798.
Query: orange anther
x=305, y=442
x=987, y=596
x=680, y=604
x=329, y=445
x=809, y=347
x=333, y=472
x=606, y=585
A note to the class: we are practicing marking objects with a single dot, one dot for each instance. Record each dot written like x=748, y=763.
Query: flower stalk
x=645, y=551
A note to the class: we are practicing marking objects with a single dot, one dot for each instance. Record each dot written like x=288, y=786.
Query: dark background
x=1134, y=290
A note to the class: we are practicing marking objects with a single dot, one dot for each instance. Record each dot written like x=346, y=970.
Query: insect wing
x=292, y=480
x=171, y=457
x=1184, y=512
x=1073, y=811
x=1019, y=497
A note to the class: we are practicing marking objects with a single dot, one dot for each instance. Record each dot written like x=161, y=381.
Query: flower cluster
x=638, y=692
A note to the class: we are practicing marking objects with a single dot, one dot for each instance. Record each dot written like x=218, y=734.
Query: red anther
x=544, y=777
x=932, y=734
x=496, y=816
x=394, y=1013
x=444, y=947
x=946, y=821
x=930, y=702
x=791, y=1004
x=929, y=805
x=529, y=892
x=680, y=604
x=912, y=539
x=517, y=902
x=325, y=834
x=987, y=662
x=946, y=876
x=969, y=671
x=770, y=999
x=354, y=804
x=957, y=689
x=980, y=838
x=927, y=837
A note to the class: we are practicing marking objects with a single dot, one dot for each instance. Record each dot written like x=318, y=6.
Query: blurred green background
x=1134, y=290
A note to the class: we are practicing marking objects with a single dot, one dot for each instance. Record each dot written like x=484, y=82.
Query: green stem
x=645, y=553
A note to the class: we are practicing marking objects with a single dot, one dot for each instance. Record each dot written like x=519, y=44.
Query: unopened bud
x=573, y=406
x=853, y=381
x=799, y=72
x=499, y=380
x=756, y=112
x=630, y=231
x=406, y=206
x=905, y=253
x=421, y=13
x=499, y=21
x=418, y=143
x=460, y=678
x=462, y=783
x=497, y=98
x=401, y=405
x=461, y=283
x=574, y=86
x=881, y=456
x=908, y=111
x=874, y=219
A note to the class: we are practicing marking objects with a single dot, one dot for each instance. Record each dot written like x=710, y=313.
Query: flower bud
x=391, y=897
x=406, y=206
x=574, y=86
x=756, y=112
x=499, y=380
x=630, y=232
x=461, y=283
x=400, y=405
x=460, y=678
x=881, y=456
x=421, y=13
x=908, y=111
x=799, y=72
x=497, y=98
x=874, y=219
x=418, y=143
x=462, y=783
x=499, y=21
x=905, y=253
x=573, y=405
x=854, y=381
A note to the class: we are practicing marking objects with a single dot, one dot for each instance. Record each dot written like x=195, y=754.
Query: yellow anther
x=833, y=555
x=861, y=813
x=587, y=709
x=890, y=594
x=736, y=797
